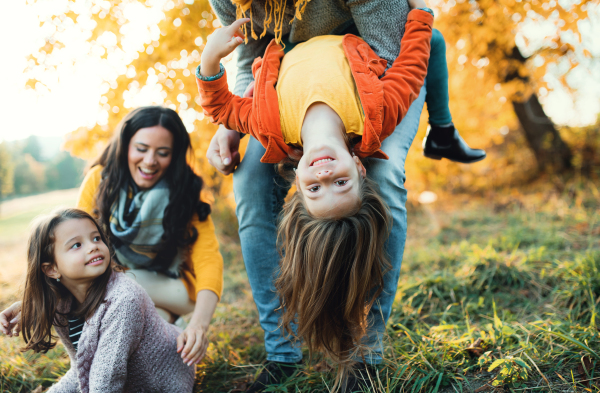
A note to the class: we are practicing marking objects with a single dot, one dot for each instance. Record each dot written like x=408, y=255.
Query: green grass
x=497, y=294
x=15, y=221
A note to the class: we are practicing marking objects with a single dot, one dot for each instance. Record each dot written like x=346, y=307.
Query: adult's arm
x=87, y=191
x=206, y=258
x=207, y=264
x=403, y=81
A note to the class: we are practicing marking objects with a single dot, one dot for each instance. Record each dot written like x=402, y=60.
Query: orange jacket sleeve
x=223, y=107
x=403, y=81
x=245, y=114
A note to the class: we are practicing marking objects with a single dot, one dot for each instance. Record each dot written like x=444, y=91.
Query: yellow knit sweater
x=203, y=267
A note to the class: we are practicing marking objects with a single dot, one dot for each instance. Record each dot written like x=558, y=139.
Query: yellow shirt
x=203, y=268
x=304, y=80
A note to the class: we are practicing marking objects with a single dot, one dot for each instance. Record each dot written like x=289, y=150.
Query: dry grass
x=497, y=293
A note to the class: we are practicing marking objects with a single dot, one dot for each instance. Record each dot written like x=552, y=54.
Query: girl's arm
x=122, y=327
x=67, y=384
x=226, y=12
x=403, y=81
x=218, y=102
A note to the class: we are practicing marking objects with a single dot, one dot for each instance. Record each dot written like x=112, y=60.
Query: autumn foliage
x=498, y=63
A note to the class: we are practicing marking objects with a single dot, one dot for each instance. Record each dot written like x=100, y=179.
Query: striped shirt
x=75, y=329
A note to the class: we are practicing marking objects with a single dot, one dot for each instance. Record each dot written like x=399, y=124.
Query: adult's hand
x=249, y=92
x=193, y=342
x=10, y=320
x=417, y=4
x=223, y=151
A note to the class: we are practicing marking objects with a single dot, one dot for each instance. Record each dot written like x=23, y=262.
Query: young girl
x=323, y=96
x=115, y=338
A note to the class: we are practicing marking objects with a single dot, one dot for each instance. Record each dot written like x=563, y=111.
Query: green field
x=16, y=214
x=497, y=293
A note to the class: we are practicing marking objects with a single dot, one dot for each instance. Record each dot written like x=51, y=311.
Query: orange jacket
x=385, y=101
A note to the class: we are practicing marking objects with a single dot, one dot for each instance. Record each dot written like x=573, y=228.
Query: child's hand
x=221, y=43
x=417, y=4
x=192, y=344
x=10, y=320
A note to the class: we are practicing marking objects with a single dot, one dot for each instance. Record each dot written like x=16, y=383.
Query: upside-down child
x=325, y=106
x=109, y=326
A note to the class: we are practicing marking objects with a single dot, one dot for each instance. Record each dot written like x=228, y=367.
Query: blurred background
x=524, y=85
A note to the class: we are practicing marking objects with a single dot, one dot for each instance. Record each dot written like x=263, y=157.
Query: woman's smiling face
x=149, y=156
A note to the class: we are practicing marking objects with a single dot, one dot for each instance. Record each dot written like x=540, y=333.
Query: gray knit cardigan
x=125, y=347
x=379, y=22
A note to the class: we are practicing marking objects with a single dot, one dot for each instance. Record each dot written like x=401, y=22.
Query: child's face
x=149, y=155
x=329, y=179
x=79, y=252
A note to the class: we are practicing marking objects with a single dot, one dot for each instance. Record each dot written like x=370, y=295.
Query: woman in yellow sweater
x=147, y=198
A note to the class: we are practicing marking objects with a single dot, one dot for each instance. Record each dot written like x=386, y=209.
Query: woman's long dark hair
x=184, y=184
x=43, y=294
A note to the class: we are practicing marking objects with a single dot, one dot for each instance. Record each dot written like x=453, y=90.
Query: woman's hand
x=192, y=344
x=221, y=43
x=417, y=4
x=10, y=320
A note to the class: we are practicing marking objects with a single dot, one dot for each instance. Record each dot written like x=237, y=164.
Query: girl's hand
x=417, y=4
x=221, y=43
x=192, y=344
x=10, y=320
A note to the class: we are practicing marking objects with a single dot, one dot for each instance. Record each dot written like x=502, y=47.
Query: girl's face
x=149, y=155
x=328, y=177
x=80, y=255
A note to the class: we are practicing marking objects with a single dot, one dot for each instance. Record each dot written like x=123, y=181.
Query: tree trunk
x=551, y=152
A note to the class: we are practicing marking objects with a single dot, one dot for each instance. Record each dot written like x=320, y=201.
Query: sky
x=71, y=96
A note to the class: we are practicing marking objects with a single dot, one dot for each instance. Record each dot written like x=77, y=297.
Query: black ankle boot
x=362, y=379
x=445, y=142
x=273, y=373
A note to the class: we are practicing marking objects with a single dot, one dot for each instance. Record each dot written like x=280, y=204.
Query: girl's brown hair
x=331, y=273
x=43, y=294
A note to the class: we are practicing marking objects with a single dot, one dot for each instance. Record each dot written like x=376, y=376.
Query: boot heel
x=433, y=157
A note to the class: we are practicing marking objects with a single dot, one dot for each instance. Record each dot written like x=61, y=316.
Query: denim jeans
x=259, y=194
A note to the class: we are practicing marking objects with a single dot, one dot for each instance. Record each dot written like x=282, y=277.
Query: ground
x=498, y=292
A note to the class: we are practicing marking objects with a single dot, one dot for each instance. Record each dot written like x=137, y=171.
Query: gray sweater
x=125, y=347
x=379, y=22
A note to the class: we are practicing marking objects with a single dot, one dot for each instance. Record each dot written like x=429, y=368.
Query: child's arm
x=403, y=81
x=218, y=102
x=67, y=384
x=122, y=328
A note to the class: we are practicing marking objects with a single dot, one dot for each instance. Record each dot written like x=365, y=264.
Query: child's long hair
x=43, y=294
x=331, y=273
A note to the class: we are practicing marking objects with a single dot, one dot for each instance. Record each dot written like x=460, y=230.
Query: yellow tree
x=483, y=35
x=160, y=70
